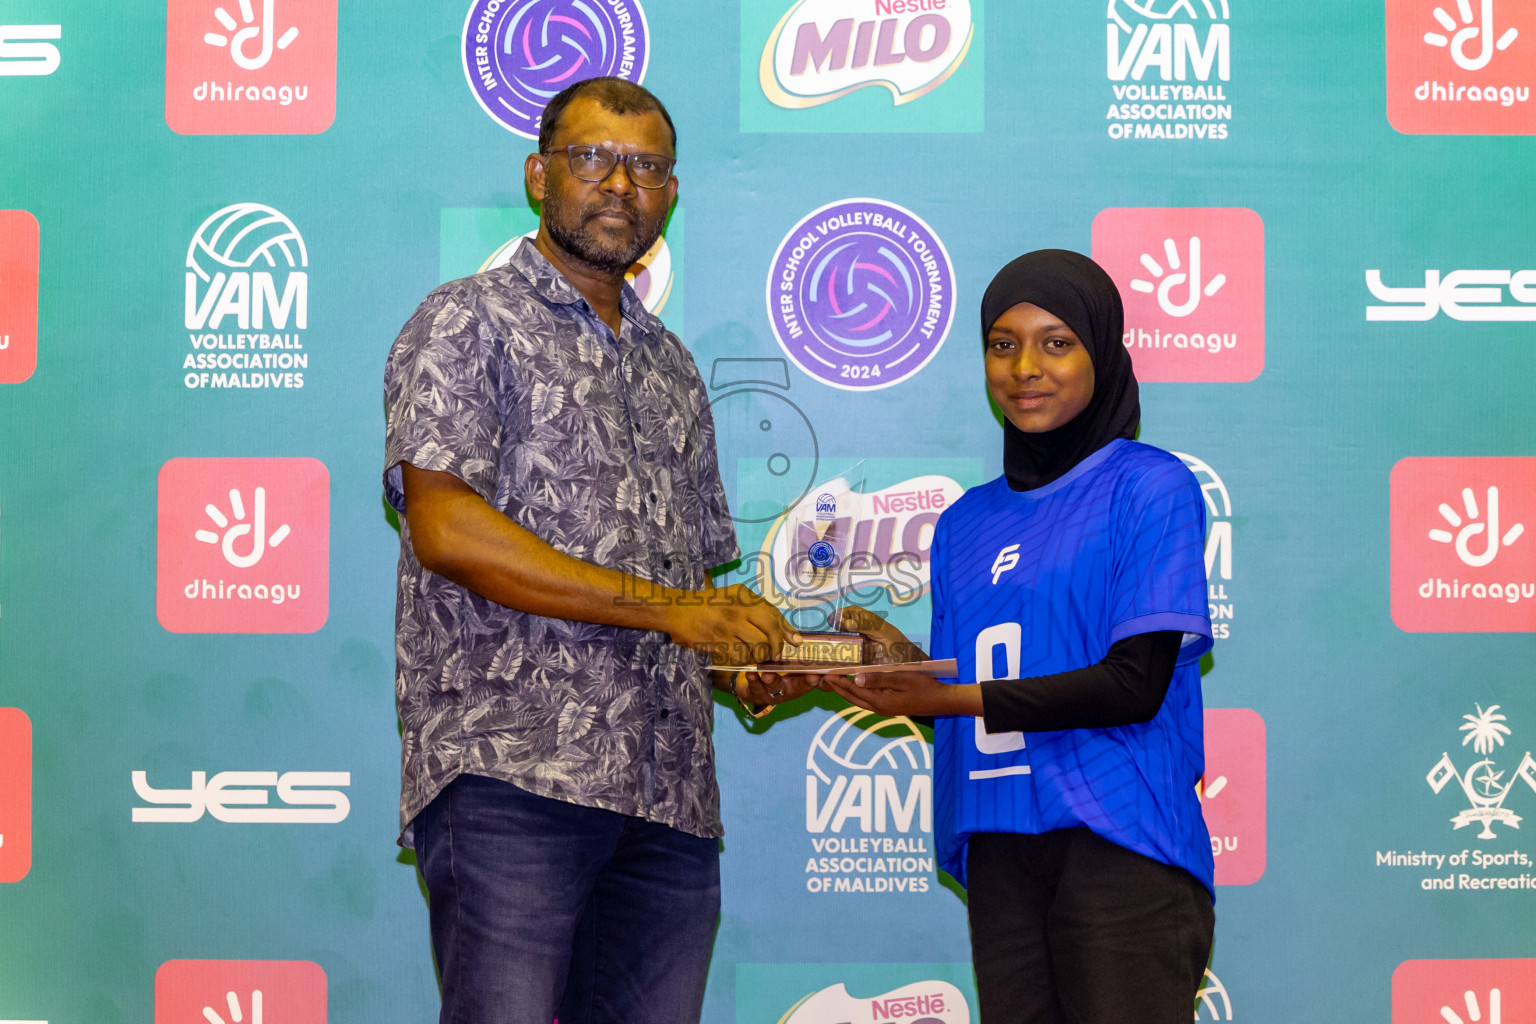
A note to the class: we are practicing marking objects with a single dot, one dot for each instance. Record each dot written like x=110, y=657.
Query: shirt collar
x=552, y=286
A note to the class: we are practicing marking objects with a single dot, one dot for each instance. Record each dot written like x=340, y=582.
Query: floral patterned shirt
x=604, y=448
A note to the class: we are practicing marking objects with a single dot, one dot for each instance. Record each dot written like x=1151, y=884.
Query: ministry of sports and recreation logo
x=1169, y=67
x=869, y=805
x=1485, y=787
x=1460, y=67
x=1461, y=560
x=1233, y=793
x=247, y=300
x=861, y=294
x=1477, y=295
x=250, y=67
x=313, y=798
x=875, y=543
x=18, y=295
x=1193, y=283
x=1463, y=991
x=243, y=546
x=921, y=1002
x=822, y=50
x=240, y=992
x=1218, y=545
x=15, y=795
x=519, y=53
x=25, y=50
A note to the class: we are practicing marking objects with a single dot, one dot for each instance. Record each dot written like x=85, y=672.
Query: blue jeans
x=542, y=909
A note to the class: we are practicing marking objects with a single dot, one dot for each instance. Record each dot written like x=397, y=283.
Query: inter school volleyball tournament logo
x=1484, y=785
x=1233, y=795
x=869, y=805
x=250, y=67
x=861, y=294
x=1218, y=546
x=18, y=295
x=921, y=1002
x=240, y=992
x=247, y=301
x=519, y=53
x=243, y=546
x=1169, y=68
x=1193, y=285
x=1464, y=991
x=1462, y=559
x=822, y=50
x=1461, y=67
x=15, y=795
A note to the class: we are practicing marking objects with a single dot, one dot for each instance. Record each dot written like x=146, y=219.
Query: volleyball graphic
x=859, y=740
x=246, y=236
x=1167, y=10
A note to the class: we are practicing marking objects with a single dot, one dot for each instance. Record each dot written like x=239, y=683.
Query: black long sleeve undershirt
x=1126, y=688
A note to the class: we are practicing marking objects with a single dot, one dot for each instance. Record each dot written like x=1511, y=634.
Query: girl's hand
x=905, y=693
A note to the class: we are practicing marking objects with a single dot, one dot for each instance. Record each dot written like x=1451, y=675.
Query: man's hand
x=735, y=625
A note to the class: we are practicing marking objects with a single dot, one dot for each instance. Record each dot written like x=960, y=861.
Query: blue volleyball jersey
x=1029, y=583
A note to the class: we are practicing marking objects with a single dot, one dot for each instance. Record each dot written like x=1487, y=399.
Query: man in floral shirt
x=551, y=451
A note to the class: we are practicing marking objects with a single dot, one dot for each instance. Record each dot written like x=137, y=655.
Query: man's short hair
x=617, y=95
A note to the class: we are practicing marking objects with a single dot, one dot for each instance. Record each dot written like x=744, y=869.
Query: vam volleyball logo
x=1464, y=991
x=1211, y=1000
x=869, y=805
x=922, y=1002
x=1218, y=545
x=1461, y=559
x=1233, y=793
x=861, y=294
x=243, y=546
x=250, y=67
x=18, y=295
x=519, y=53
x=240, y=992
x=1460, y=67
x=15, y=795
x=1169, y=66
x=247, y=300
x=1193, y=284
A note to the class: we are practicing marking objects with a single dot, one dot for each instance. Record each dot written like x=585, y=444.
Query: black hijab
x=1076, y=290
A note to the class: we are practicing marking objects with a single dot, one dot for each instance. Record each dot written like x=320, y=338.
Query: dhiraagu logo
x=861, y=66
x=475, y=239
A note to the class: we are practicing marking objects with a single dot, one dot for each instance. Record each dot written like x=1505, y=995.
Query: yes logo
x=242, y=798
x=18, y=295
x=15, y=795
x=250, y=67
x=243, y=546
x=23, y=52
x=1461, y=562
x=1193, y=284
x=1464, y=991
x=1460, y=67
x=240, y=992
x=1233, y=794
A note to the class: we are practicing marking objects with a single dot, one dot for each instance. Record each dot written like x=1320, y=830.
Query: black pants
x=1069, y=928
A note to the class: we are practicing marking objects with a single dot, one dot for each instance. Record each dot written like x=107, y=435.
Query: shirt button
x=653, y=495
x=664, y=712
x=666, y=563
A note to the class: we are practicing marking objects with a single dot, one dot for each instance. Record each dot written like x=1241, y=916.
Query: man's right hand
x=734, y=624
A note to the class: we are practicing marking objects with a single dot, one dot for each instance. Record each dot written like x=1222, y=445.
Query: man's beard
x=586, y=246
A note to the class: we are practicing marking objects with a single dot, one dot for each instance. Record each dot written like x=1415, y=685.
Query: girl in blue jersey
x=1071, y=591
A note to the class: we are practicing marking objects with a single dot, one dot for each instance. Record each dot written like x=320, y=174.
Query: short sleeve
x=720, y=546
x=1158, y=580
x=440, y=388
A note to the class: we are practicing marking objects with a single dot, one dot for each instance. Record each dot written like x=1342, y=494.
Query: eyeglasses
x=594, y=163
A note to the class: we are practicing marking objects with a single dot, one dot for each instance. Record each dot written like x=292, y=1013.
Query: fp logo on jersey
x=18, y=295
x=15, y=795
x=861, y=294
x=1464, y=991
x=243, y=546
x=1462, y=559
x=1193, y=285
x=240, y=992
x=1233, y=793
x=1461, y=67
x=519, y=53
x=250, y=67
